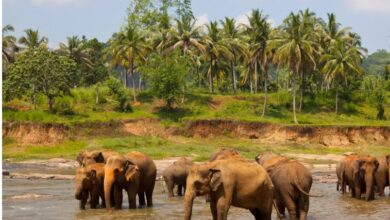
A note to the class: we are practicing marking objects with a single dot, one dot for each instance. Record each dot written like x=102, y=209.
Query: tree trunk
x=337, y=98
x=294, y=97
x=211, y=76
x=34, y=98
x=234, y=78
x=124, y=72
x=265, y=89
x=51, y=103
x=250, y=83
x=97, y=94
x=140, y=83
x=132, y=78
x=301, y=91
x=255, y=77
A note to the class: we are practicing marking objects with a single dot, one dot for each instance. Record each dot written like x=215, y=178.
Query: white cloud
x=370, y=5
x=202, y=20
x=243, y=19
x=58, y=2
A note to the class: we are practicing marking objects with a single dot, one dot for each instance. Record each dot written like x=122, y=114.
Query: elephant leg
x=291, y=207
x=256, y=213
x=83, y=200
x=141, y=198
x=281, y=207
x=381, y=189
x=149, y=196
x=213, y=207
x=170, y=187
x=94, y=200
x=303, y=206
x=103, y=200
x=221, y=207
x=118, y=197
x=179, y=190
x=132, y=197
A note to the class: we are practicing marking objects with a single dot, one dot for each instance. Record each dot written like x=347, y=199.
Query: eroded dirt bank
x=30, y=133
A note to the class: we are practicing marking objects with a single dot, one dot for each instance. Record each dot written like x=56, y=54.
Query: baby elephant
x=176, y=174
x=89, y=182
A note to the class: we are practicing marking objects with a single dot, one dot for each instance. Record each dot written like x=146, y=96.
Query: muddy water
x=58, y=203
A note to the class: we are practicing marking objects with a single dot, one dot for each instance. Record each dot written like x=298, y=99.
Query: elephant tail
x=296, y=184
x=280, y=216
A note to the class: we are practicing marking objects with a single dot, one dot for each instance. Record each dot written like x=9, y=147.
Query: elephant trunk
x=188, y=202
x=108, y=182
x=79, y=190
x=369, y=187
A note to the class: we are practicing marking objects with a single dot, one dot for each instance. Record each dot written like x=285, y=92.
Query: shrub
x=63, y=105
x=120, y=95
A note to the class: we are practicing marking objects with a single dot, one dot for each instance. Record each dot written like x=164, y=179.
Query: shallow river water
x=59, y=203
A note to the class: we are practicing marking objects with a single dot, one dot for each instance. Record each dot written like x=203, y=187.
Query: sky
x=57, y=19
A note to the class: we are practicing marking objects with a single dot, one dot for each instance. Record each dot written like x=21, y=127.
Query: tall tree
x=339, y=62
x=32, y=39
x=215, y=49
x=290, y=46
x=231, y=38
x=9, y=47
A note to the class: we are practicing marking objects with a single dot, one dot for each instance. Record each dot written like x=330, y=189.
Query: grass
x=318, y=109
x=158, y=148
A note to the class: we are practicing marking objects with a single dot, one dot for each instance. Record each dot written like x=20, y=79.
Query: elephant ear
x=99, y=158
x=216, y=179
x=92, y=173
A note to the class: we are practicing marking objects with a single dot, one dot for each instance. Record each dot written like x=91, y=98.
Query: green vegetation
x=157, y=148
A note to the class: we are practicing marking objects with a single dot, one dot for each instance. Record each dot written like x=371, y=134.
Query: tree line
x=304, y=55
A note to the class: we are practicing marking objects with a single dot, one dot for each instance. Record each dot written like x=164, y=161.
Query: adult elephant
x=120, y=174
x=147, y=179
x=382, y=175
x=136, y=173
x=176, y=174
x=292, y=182
x=230, y=182
x=85, y=158
x=359, y=174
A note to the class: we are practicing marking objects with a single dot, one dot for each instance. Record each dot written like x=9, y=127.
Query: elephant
x=89, y=182
x=176, y=174
x=88, y=157
x=133, y=172
x=225, y=153
x=230, y=182
x=292, y=182
x=388, y=163
x=147, y=180
x=382, y=175
x=358, y=173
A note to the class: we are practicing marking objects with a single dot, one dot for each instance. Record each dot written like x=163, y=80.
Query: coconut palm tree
x=9, y=44
x=215, y=49
x=128, y=49
x=32, y=39
x=231, y=38
x=341, y=60
x=291, y=44
x=186, y=36
x=75, y=49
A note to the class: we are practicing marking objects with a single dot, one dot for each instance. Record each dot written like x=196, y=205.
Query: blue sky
x=58, y=19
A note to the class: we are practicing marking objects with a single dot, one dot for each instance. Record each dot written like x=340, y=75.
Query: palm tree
x=341, y=60
x=9, y=44
x=258, y=32
x=291, y=44
x=126, y=49
x=32, y=39
x=231, y=38
x=75, y=49
x=215, y=49
x=187, y=36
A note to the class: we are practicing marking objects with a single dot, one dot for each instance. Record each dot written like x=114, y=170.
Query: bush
x=120, y=95
x=63, y=105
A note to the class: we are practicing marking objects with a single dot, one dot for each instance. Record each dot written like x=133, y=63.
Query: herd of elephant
x=227, y=179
